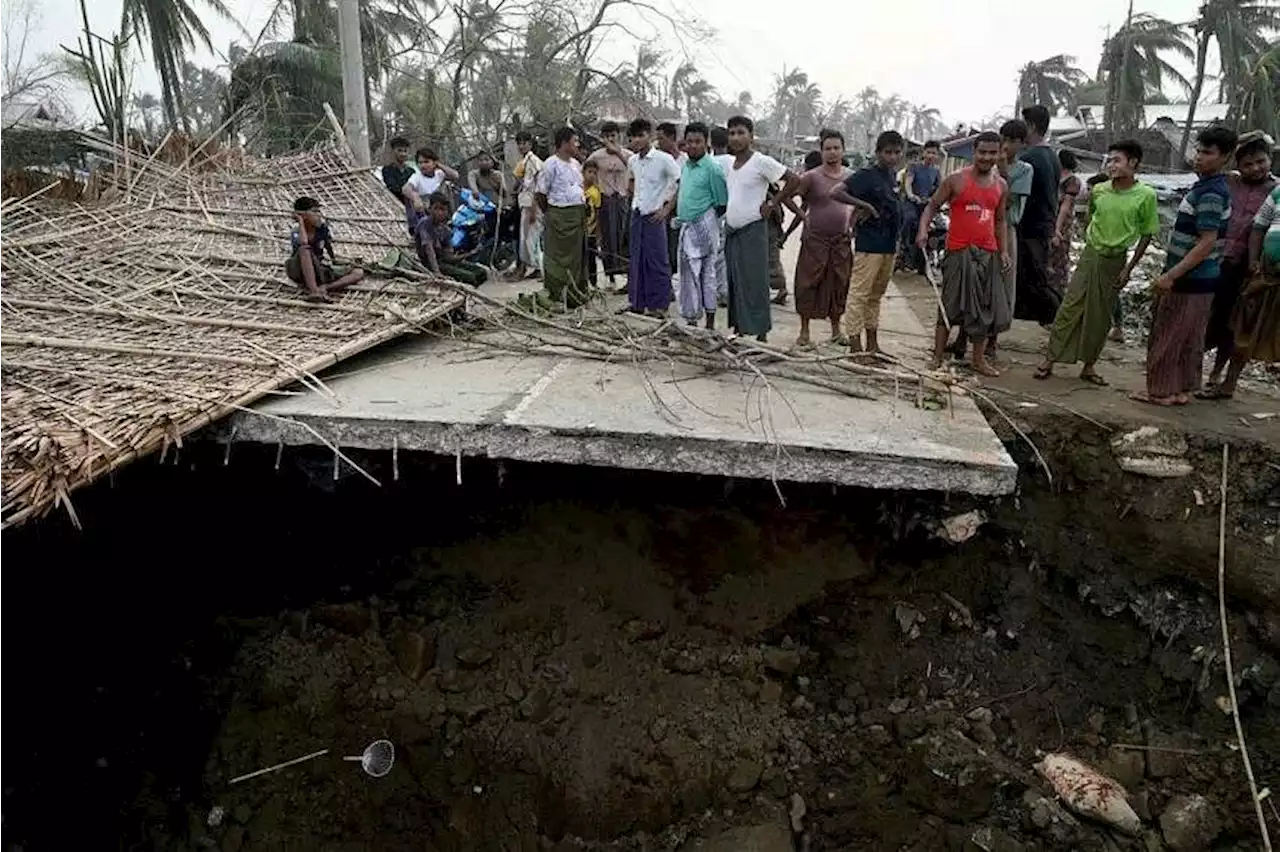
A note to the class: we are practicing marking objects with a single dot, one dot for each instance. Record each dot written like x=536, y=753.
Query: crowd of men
x=706, y=207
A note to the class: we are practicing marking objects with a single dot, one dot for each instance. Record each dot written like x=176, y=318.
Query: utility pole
x=355, y=110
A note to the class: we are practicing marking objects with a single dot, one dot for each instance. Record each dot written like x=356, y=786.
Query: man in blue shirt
x=872, y=192
x=1184, y=293
x=920, y=182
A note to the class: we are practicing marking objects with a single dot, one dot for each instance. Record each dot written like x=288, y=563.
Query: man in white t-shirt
x=427, y=180
x=748, y=175
x=669, y=142
x=654, y=174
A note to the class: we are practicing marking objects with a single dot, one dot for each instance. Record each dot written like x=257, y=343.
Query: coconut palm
x=172, y=27
x=1259, y=105
x=685, y=74
x=1134, y=63
x=696, y=95
x=1051, y=82
x=1240, y=28
x=926, y=121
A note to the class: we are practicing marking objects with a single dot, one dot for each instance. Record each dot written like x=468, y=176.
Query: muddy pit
x=583, y=659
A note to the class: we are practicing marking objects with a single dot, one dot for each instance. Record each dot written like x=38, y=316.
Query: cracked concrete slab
x=449, y=397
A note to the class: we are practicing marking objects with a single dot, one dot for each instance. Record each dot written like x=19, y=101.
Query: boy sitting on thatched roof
x=307, y=265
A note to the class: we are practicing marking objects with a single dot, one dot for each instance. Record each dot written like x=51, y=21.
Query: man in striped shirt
x=1175, y=349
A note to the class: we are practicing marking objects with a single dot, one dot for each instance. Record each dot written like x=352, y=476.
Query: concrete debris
x=908, y=619
x=797, y=813
x=770, y=837
x=1148, y=451
x=745, y=776
x=781, y=661
x=1190, y=823
x=1088, y=792
x=962, y=527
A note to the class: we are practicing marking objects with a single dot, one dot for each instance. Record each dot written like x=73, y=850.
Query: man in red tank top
x=972, y=296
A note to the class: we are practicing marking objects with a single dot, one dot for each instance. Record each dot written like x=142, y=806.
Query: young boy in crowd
x=312, y=247
x=594, y=197
x=435, y=249
x=1184, y=298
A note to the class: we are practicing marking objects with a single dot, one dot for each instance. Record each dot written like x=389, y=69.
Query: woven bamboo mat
x=129, y=325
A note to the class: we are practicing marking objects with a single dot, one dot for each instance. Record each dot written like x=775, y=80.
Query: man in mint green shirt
x=702, y=200
x=1121, y=212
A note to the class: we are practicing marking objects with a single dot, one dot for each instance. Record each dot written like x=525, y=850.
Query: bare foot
x=1164, y=401
x=935, y=363
x=985, y=369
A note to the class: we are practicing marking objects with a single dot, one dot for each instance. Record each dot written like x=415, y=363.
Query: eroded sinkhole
x=580, y=658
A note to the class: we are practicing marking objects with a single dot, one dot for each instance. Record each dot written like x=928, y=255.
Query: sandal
x=1213, y=392
x=839, y=340
x=1163, y=402
x=1094, y=379
x=1042, y=372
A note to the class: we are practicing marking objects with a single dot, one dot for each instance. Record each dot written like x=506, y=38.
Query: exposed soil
x=578, y=659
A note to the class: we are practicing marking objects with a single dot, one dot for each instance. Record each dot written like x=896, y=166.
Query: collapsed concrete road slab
x=461, y=397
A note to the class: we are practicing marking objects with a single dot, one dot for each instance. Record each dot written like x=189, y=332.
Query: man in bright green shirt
x=702, y=199
x=1121, y=212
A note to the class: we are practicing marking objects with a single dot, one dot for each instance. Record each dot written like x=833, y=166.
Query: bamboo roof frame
x=126, y=326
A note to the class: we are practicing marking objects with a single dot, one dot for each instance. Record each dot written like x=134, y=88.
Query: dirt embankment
x=624, y=662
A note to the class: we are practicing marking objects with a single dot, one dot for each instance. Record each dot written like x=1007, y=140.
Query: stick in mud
x=1226, y=652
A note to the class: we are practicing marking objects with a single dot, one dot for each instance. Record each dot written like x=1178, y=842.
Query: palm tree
x=684, y=75
x=648, y=61
x=146, y=106
x=925, y=121
x=786, y=87
x=696, y=95
x=1051, y=82
x=805, y=107
x=1239, y=28
x=173, y=27
x=1133, y=60
x=744, y=103
x=1260, y=92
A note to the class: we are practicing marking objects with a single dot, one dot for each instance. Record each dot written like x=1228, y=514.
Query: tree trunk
x=1202, y=55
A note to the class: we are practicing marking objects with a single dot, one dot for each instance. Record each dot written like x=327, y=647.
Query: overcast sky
x=959, y=57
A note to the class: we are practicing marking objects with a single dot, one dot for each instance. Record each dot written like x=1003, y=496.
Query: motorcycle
x=478, y=232
x=935, y=247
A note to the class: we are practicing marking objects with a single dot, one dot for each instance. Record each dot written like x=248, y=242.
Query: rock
x=745, y=776
x=962, y=527
x=457, y=682
x=797, y=813
x=513, y=690
x=350, y=618
x=1041, y=812
x=878, y=736
x=981, y=715
x=909, y=726
x=658, y=730
x=802, y=684
x=1125, y=766
x=537, y=707
x=775, y=782
x=684, y=663
x=638, y=630
x=990, y=839
x=907, y=618
x=233, y=840
x=781, y=661
x=770, y=837
x=771, y=692
x=473, y=657
x=1163, y=759
x=899, y=705
x=414, y=654
x=1190, y=823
